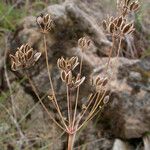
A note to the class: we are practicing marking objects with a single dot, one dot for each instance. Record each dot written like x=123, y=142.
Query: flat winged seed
x=58, y=63
x=29, y=54
x=131, y=31
x=97, y=80
x=126, y=28
x=88, y=42
x=79, y=82
x=68, y=78
x=63, y=75
x=105, y=81
x=26, y=47
x=122, y=25
x=106, y=99
x=21, y=48
x=119, y=22
x=131, y=6
x=13, y=59
x=115, y=21
x=104, y=23
x=135, y=7
x=127, y=2
x=13, y=66
x=37, y=56
x=111, y=27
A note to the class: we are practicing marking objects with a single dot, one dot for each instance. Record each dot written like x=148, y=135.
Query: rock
x=146, y=140
x=127, y=114
x=120, y=145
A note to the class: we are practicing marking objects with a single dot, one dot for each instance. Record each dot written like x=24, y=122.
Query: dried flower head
x=67, y=64
x=118, y=26
x=45, y=22
x=128, y=6
x=84, y=42
x=24, y=57
x=99, y=81
x=70, y=80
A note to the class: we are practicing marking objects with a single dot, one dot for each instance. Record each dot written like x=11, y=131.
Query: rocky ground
x=124, y=123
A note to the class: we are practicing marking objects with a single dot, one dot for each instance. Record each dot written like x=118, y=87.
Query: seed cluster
x=45, y=22
x=128, y=6
x=119, y=26
x=66, y=66
x=84, y=43
x=24, y=57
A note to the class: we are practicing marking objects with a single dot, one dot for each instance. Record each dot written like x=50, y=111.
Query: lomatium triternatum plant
x=118, y=27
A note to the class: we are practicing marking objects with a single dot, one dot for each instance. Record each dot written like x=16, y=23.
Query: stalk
x=71, y=140
x=51, y=84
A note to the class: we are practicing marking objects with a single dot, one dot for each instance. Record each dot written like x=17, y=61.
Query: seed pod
x=78, y=77
x=13, y=59
x=115, y=21
x=127, y=28
x=131, y=31
x=13, y=66
x=29, y=54
x=68, y=78
x=135, y=7
x=84, y=106
x=132, y=6
x=74, y=62
x=111, y=27
x=106, y=99
x=104, y=23
x=97, y=80
x=63, y=76
x=79, y=82
x=105, y=81
x=127, y=2
x=120, y=19
x=37, y=56
x=122, y=25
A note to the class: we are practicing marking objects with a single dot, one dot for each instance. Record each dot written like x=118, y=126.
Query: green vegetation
x=9, y=16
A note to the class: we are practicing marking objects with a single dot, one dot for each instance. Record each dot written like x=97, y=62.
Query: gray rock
x=129, y=108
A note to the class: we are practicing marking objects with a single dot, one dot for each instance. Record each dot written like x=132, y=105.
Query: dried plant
x=25, y=57
x=119, y=27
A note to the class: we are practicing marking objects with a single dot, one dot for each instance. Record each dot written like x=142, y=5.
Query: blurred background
x=124, y=124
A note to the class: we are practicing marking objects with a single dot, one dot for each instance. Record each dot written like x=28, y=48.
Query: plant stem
x=71, y=139
x=51, y=83
x=110, y=53
x=119, y=47
x=78, y=89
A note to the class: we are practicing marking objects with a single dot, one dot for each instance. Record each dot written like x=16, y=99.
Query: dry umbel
x=24, y=57
x=45, y=22
x=119, y=27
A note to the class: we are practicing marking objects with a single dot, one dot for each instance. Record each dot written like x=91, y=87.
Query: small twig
x=51, y=84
